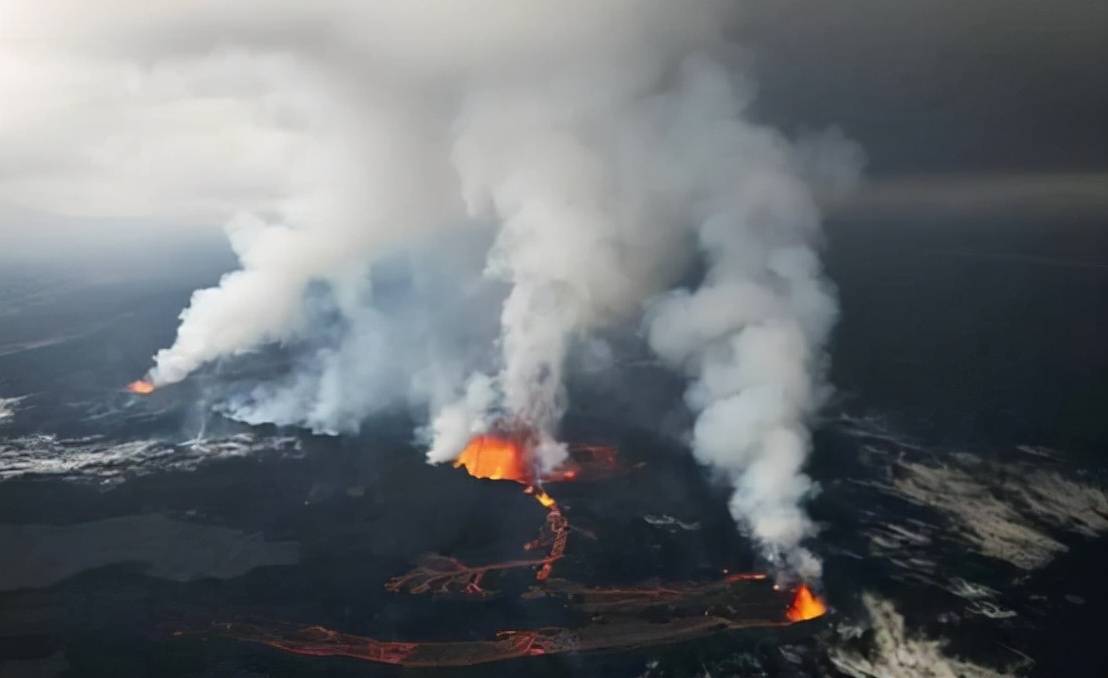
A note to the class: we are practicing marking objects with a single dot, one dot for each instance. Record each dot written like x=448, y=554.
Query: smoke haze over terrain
x=406, y=183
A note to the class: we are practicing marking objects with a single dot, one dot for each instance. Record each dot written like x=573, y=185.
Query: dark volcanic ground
x=961, y=469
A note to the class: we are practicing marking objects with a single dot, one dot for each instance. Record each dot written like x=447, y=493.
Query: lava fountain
x=503, y=457
x=140, y=387
x=496, y=458
x=507, y=457
x=613, y=619
x=806, y=605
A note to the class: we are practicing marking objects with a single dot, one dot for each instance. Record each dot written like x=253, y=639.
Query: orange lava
x=502, y=458
x=744, y=576
x=496, y=458
x=609, y=619
x=806, y=605
x=141, y=387
x=505, y=457
x=540, y=496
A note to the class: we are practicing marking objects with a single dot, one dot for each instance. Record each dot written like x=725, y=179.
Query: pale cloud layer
x=389, y=173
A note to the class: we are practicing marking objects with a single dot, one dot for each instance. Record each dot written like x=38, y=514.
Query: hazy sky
x=942, y=85
x=941, y=94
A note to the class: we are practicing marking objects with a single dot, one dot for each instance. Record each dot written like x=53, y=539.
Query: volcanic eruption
x=510, y=457
x=140, y=387
x=805, y=606
x=484, y=199
x=526, y=181
x=610, y=618
x=497, y=457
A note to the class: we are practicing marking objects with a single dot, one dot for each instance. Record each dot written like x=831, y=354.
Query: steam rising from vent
x=433, y=203
x=750, y=335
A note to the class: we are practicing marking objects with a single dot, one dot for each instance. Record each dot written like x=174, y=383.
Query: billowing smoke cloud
x=750, y=335
x=560, y=165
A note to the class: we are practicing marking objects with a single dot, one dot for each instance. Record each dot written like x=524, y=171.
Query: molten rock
x=496, y=458
x=806, y=605
x=140, y=387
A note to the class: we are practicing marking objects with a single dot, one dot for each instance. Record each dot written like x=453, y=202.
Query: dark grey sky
x=941, y=86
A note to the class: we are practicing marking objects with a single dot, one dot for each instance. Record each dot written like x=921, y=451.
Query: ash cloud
x=563, y=167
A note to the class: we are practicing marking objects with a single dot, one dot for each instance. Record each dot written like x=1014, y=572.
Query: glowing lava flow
x=140, y=387
x=608, y=618
x=506, y=458
x=619, y=618
x=806, y=605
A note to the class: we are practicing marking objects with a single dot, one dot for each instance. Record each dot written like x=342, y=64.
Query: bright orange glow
x=543, y=498
x=495, y=458
x=743, y=576
x=806, y=605
x=501, y=458
x=141, y=387
x=506, y=458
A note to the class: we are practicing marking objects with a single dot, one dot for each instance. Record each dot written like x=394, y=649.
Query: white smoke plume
x=562, y=164
x=751, y=335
